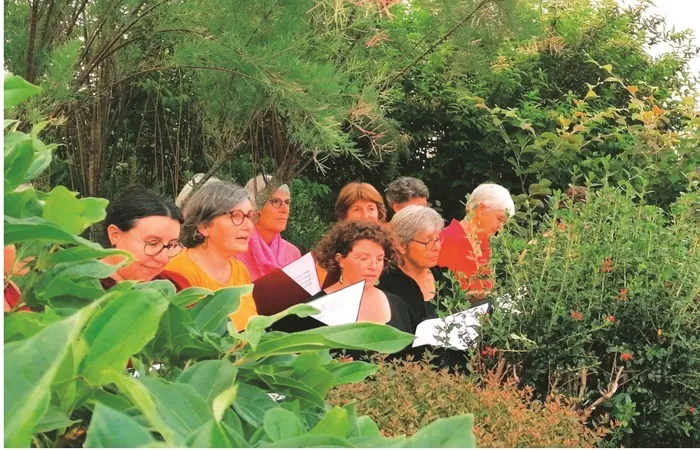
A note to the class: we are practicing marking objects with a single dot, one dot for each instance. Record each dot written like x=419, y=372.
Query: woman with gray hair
x=416, y=232
x=219, y=220
x=405, y=191
x=267, y=250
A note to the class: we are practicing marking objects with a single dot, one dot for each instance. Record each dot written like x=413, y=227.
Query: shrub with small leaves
x=405, y=395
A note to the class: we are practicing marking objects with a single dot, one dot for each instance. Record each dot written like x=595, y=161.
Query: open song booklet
x=297, y=282
x=455, y=331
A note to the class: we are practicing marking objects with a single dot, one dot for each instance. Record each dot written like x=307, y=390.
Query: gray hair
x=415, y=219
x=187, y=190
x=493, y=196
x=209, y=202
x=257, y=184
x=404, y=189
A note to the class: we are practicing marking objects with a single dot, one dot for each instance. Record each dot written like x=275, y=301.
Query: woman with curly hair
x=354, y=251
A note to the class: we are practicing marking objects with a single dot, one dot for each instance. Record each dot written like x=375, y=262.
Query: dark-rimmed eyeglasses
x=277, y=202
x=429, y=245
x=238, y=216
x=155, y=246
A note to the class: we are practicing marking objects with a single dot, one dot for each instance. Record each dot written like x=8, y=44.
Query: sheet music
x=340, y=307
x=455, y=330
x=303, y=272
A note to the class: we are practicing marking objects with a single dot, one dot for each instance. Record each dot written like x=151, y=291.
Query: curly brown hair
x=342, y=238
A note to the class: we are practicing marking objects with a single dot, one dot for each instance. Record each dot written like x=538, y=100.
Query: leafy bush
x=404, y=396
x=609, y=310
x=194, y=380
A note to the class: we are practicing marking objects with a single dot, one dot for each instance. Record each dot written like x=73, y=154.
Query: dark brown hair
x=358, y=191
x=342, y=238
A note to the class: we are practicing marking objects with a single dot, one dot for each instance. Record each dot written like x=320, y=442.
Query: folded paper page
x=303, y=272
x=455, y=331
x=340, y=307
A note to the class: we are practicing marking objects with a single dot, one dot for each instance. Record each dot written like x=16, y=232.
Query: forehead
x=363, y=204
x=157, y=226
x=244, y=206
x=367, y=246
x=280, y=194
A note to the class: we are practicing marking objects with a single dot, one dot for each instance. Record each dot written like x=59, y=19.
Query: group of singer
x=224, y=235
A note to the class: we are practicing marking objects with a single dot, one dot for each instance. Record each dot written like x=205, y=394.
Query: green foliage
x=140, y=365
x=607, y=299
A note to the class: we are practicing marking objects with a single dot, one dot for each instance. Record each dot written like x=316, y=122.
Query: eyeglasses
x=366, y=260
x=155, y=246
x=277, y=202
x=429, y=245
x=238, y=216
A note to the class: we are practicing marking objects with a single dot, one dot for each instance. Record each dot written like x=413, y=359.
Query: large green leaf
x=77, y=254
x=17, y=161
x=213, y=435
x=307, y=441
x=33, y=229
x=211, y=314
x=450, y=432
x=354, y=336
x=209, y=378
x=17, y=90
x=54, y=419
x=281, y=424
x=120, y=330
x=181, y=408
x=335, y=423
x=110, y=428
x=189, y=297
x=351, y=372
x=252, y=403
x=74, y=279
x=30, y=367
x=23, y=325
x=20, y=204
x=145, y=401
x=73, y=214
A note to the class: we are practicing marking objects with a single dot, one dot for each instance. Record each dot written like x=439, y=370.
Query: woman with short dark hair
x=146, y=225
x=406, y=191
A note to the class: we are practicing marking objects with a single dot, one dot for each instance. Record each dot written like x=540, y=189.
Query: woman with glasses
x=267, y=250
x=219, y=221
x=146, y=225
x=354, y=251
x=416, y=232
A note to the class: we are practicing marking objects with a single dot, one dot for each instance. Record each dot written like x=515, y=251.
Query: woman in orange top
x=219, y=220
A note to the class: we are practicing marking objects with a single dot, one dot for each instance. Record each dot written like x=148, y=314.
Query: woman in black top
x=354, y=251
x=417, y=233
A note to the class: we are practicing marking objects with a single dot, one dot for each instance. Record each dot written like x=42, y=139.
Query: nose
x=162, y=257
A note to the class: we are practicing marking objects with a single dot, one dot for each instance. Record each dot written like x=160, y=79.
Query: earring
x=340, y=279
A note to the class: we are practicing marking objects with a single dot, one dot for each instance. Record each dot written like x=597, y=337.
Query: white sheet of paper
x=303, y=272
x=340, y=307
x=451, y=329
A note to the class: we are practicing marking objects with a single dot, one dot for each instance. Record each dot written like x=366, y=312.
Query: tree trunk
x=30, y=67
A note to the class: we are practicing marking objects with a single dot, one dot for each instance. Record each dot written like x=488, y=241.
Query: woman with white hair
x=267, y=250
x=466, y=249
x=416, y=232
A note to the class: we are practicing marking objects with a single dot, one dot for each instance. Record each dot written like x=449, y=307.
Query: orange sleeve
x=247, y=308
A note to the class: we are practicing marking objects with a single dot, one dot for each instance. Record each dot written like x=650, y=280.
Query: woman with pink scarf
x=267, y=250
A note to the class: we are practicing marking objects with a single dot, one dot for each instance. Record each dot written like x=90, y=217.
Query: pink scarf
x=261, y=258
